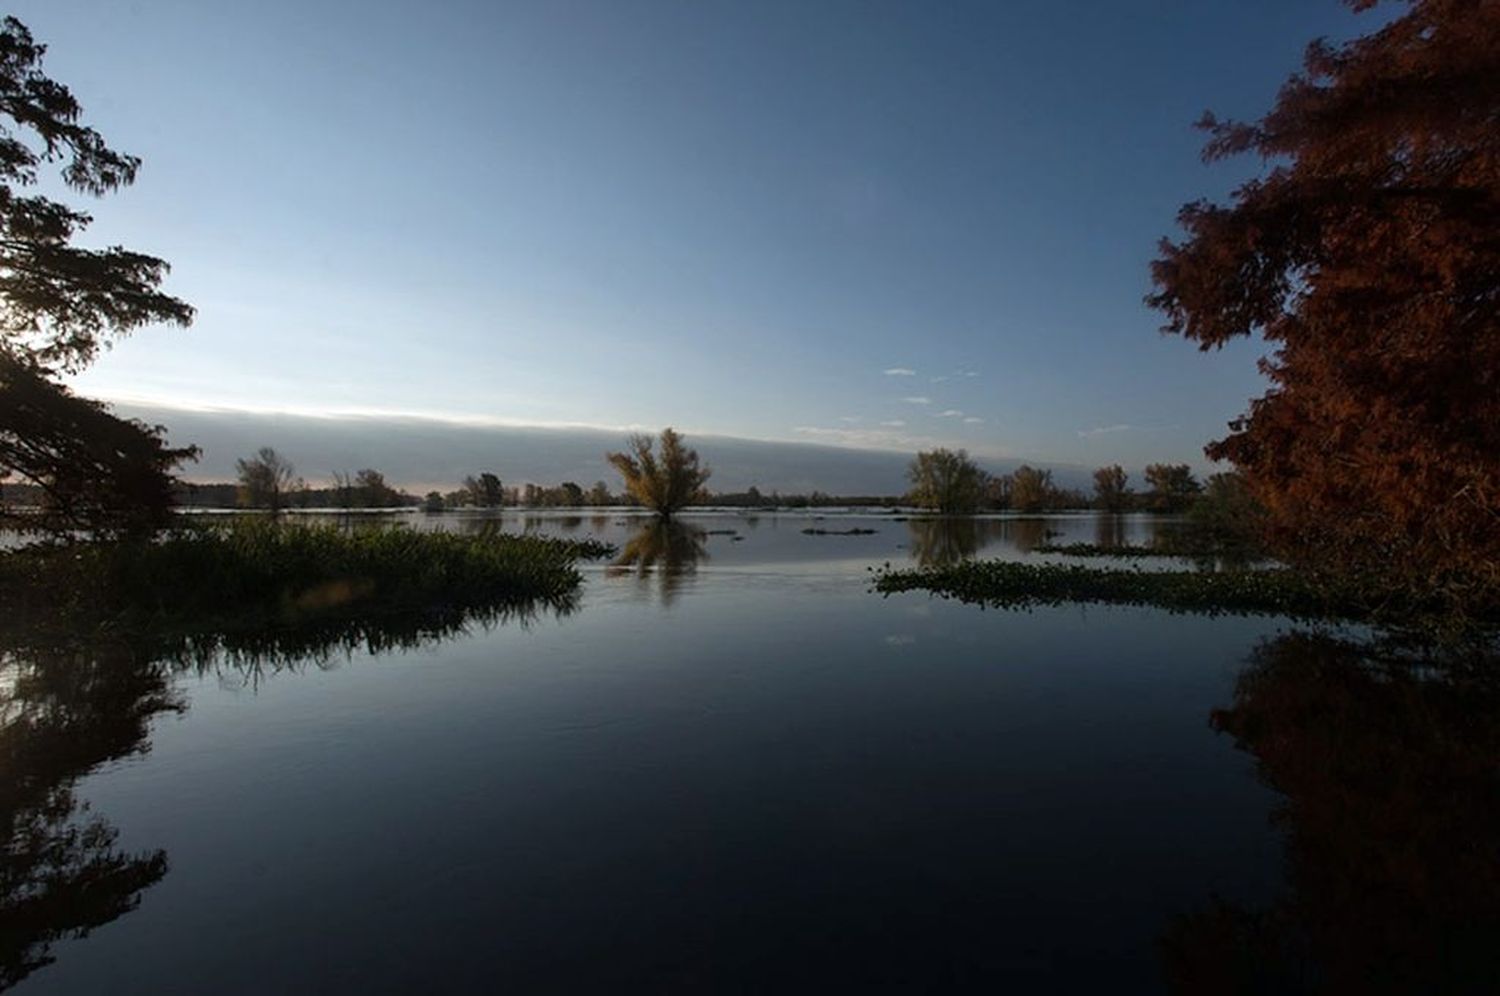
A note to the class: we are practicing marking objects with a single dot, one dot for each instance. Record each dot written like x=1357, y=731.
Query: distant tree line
x=951, y=483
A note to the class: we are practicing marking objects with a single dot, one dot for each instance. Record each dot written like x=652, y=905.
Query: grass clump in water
x=1274, y=591
x=258, y=573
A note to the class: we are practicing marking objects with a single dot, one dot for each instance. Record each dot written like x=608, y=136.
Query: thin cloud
x=936, y=380
x=917, y=399
x=951, y=413
x=972, y=420
x=900, y=372
x=894, y=423
x=1104, y=430
x=968, y=373
x=851, y=419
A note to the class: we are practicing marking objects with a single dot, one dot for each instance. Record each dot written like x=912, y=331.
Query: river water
x=730, y=768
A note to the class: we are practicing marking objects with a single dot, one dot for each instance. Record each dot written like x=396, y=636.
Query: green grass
x=250, y=575
x=1280, y=592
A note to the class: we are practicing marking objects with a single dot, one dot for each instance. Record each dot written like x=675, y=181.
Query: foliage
x=1111, y=491
x=1368, y=256
x=97, y=472
x=946, y=481
x=255, y=573
x=666, y=482
x=372, y=491
x=265, y=479
x=1226, y=519
x=79, y=686
x=60, y=300
x=1012, y=585
x=1031, y=489
x=485, y=491
x=1172, y=485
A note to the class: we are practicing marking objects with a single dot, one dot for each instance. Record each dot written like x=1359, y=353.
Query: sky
x=888, y=225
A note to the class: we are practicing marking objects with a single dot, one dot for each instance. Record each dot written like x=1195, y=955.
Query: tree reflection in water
x=1389, y=762
x=669, y=550
x=68, y=706
x=941, y=541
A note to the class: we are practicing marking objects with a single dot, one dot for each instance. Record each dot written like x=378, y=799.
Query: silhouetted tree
x=1111, y=493
x=60, y=301
x=1031, y=489
x=373, y=491
x=1172, y=485
x=664, y=482
x=946, y=481
x=485, y=491
x=1368, y=257
x=599, y=494
x=569, y=494
x=98, y=472
x=265, y=479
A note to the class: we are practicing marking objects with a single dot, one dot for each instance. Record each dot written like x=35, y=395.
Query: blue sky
x=873, y=224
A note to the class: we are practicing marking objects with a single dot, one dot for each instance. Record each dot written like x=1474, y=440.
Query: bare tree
x=265, y=479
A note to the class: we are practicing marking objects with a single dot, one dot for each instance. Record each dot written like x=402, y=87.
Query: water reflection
x=68, y=706
x=668, y=550
x=1389, y=763
x=63, y=713
x=1111, y=530
x=939, y=542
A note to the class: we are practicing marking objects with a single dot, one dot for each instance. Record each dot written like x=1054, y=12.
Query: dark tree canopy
x=1368, y=254
x=97, y=471
x=61, y=300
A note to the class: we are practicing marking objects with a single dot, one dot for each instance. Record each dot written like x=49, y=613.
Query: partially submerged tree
x=1369, y=255
x=1031, y=489
x=485, y=491
x=946, y=481
x=1173, y=487
x=372, y=491
x=1111, y=491
x=265, y=479
x=665, y=482
x=98, y=472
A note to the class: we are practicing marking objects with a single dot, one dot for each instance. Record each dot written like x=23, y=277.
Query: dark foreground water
x=732, y=768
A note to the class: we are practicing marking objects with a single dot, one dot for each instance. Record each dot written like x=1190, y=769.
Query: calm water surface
x=732, y=768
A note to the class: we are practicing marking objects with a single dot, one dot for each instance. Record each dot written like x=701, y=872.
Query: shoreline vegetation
x=249, y=575
x=1272, y=591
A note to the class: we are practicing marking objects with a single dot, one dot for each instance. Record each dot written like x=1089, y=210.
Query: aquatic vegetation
x=1275, y=591
x=250, y=574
